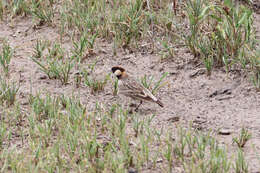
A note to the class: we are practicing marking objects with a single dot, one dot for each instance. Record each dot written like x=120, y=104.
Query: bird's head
x=119, y=72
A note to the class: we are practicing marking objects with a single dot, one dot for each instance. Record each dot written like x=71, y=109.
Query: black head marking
x=117, y=68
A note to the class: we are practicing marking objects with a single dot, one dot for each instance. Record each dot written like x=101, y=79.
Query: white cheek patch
x=117, y=72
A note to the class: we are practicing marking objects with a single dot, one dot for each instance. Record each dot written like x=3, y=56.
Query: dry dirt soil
x=218, y=102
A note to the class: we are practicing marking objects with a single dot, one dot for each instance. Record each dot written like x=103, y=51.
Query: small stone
x=173, y=72
x=132, y=143
x=173, y=119
x=132, y=170
x=224, y=131
x=102, y=51
x=43, y=77
x=197, y=72
x=160, y=160
x=25, y=102
x=224, y=98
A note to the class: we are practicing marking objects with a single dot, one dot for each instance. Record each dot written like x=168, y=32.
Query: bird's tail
x=159, y=103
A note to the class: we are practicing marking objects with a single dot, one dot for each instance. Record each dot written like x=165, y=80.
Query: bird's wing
x=138, y=90
x=149, y=94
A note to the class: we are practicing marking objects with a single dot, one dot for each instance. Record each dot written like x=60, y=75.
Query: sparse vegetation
x=255, y=66
x=49, y=131
x=42, y=11
x=83, y=48
x=95, y=84
x=220, y=33
x=148, y=82
x=240, y=164
x=5, y=57
x=54, y=64
x=8, y=91
x=100, y=141
x=243, y=137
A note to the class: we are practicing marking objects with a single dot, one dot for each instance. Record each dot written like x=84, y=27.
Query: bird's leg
x=138, y=105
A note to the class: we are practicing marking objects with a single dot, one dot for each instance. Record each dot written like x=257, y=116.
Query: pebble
x=224, y=131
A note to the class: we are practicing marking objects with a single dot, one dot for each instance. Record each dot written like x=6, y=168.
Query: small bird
x=129, y=87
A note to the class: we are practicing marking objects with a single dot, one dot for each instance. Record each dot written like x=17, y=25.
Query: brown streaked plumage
x=128, y=86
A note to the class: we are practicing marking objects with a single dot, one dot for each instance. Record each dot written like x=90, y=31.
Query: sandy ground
x=221, y=101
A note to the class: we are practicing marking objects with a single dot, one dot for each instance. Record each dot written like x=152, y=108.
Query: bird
x=129, y=87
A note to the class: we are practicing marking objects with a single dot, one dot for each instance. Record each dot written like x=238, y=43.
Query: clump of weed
x=167, y=51
x=199, y=152
x=3, y=134
x=96, y=85
x=44, y=108
x=128, y=25
x=1, y=10
x=8, y=92
x=149, y=83
x=20, y=7
x=42, y=11
x=115, y=87
x=255, y=66
x=39, y=49
x=5, y=57
x=54, y=65
x=83, y=48
x=243, y=137
x=219, y=33
x=90, y=79
x=240, y=164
